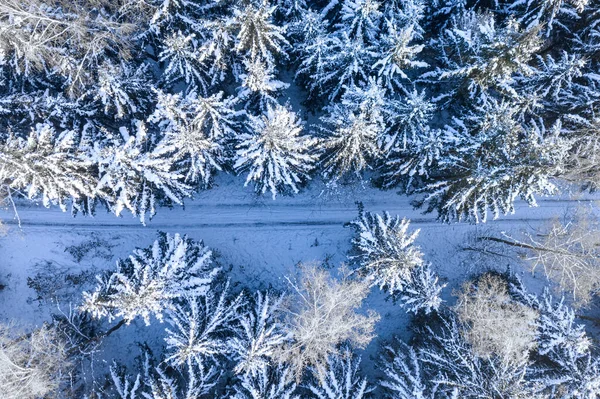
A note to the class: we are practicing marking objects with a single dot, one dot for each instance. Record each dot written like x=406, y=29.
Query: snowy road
x=260, y=215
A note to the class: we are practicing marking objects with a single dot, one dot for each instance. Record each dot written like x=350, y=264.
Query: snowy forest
x=289, y=199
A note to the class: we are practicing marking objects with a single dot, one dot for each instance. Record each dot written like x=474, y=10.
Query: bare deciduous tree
x=322, y=315
x=32, y=365
x=568, y=253
x=493, y=323
x=67, y=37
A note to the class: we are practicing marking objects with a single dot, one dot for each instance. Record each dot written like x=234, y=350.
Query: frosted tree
x=195, y=128
x=494, y=160
x=479, y=55
x=566, y=252
x=322, y=315
x=33, y=365
x=404, y=373
x=180, y=53
x=361, y=19
x=277, y=156
x=161, y=384
x=418, y=162
x=122, y=89
x=133, y=178
x=47, y=166
x=398, y=54
x=547, y=13
x=340, y=379
x=410, y=126
x=385, y=254
x=351, y=145
x=259, y=88
x=269, y=382
x=258, y=335
x=385, y=250
x=146, y=283
x=423, y=291
x=200, y=327
x=257, y=35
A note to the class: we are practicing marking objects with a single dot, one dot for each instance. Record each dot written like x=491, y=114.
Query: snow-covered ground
x=257, y=240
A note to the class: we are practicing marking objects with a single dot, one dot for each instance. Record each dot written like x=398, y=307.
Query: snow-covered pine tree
x=348, y=63
x=277, y=156
x=270, y=382
x=408, y=125
x=146, y=283
x=259, y=88
x=560, y=336
x=556, y=81
x=404, y=374
x=304, y=29
x=548, y=14
x=361, y=20
x=385, y=252
x=314, y=54
x=351, y=143
x=397, y=53
x=373, y=103
x=123, y=385
x=340, y=378
x=423, y=292
x=201, y=326
x=495, y=159
x=290, y=10
x=182, y=56
x=190, y=382
x=21, y=111
x=122, y=89
x=195, y=129
x=216, y=51
x=47, y=166
x=258, y=37
x=569, y=366
x=478, y=55
x=134, y=178
x=258, y=335
x=418, y=162
x=566, y=362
